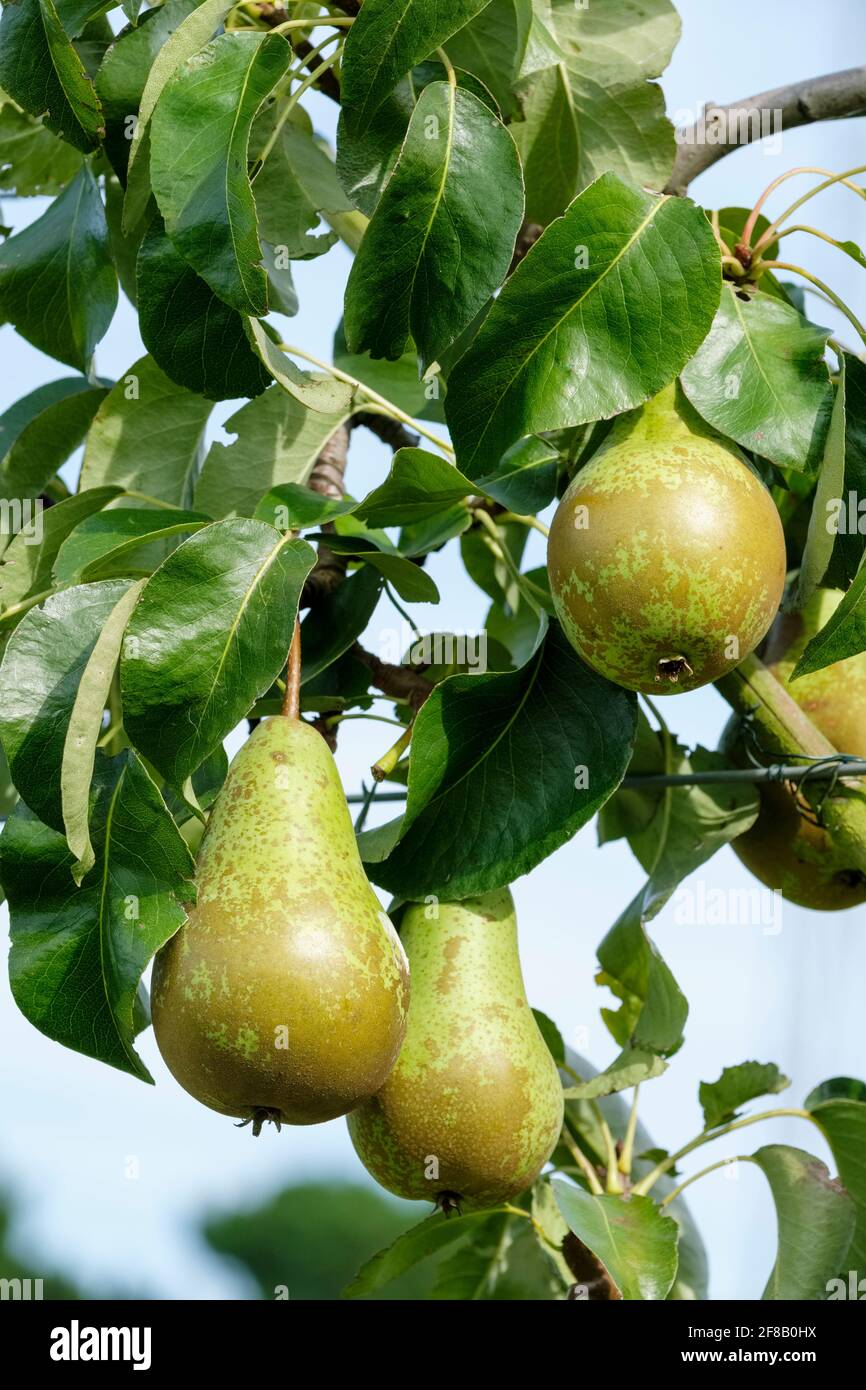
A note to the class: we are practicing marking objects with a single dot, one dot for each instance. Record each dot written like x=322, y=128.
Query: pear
x=666, y=554
x=284, y=997
x=473, y=1108
x=786, y=848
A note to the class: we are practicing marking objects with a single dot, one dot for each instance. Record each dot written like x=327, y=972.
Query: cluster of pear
x=288, y=996
x=667, y=564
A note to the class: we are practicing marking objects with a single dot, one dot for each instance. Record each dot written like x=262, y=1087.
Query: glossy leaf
x=278, y=442
x=93, y=943
x=42, y=666
x=635, y=1241
x=816, y=1219
x=200, y=132
x=387, y=39
x=760, y=378
x=39, y=432
x=419, y=485
x=194, y=337
x=210, y=634
x=721, y=1100
x=508, y=746
x=32, y=160
x=442, y=237
x=147, y=435
x=604, y=311
x=291, y=507
x=57, y=281
x=189, y=39
x=333, y=625
x=42, y=72
x=26, y=568
x=110, y=542
x=525, y=479
x=85, y=728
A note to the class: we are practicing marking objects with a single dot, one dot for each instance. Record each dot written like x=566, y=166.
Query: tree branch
x=389, y=430
x=722, y=129
x=400, y=682
x=327, y=478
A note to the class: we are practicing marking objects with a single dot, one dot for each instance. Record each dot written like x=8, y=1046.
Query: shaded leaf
x=636, y=1243
x=42, y=72
x=722, y=1099
x=316, y=390
x=337, y=621
x=95, y=941
x=843, y=635
x=839, y=1109
x=26, y=568
x=32, y=160
x=816, y=1222
x=414, y=1245
x=39, y=432
x=57, y=280
x=420, y=485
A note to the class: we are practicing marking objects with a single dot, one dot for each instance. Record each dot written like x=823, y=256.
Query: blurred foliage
x=312, y=1239
x=54, y=1286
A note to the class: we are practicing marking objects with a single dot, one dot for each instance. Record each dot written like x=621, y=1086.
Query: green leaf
x=26, y=568
x=442, y=237
x=316, y=390
x=760, y=378
x=551, y=1035
x=419, y=486
x=631, y=1068
x=653, y=1012
x=548, y=138
x=333, y=625
x=197, y=340
x=497, y=772
x=210, y=634
x=576, y=334
x=296, y=186
x=420, y=537
x=839, y=1110
x=42, y=72
x=124, y=248
x=400, y=382
x=91, y=944
x=32, y=160
x=101, y=545
x=821, y=537
x=525, y=479
x=190, y=37
x=844, y=635
x=388, y=38
x=850, y=540
x=493, y=47
x=610, y=58
x=39, y=432
x=410, y=1248
x=85, y=727
x=472, y=1270
x=147, y=436
x=206, y=201
x=290, y=507
x=43, y=664
x=722, y=1099
x=124, y=73
x=816, y=1222
x=278, y=442
x=411, y=582
x=57, y=281
x=635, y=1241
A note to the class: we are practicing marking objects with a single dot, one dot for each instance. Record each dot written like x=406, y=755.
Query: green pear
x=473, y=1108
x=666, y=554
x=284, y=997
x=786, y=848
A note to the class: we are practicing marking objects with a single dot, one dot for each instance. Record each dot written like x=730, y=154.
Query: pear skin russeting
x=473, y=1108
x=666, y=555
x=285, y=994
x=785, y=848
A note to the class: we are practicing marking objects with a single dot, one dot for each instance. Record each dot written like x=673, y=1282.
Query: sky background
x=113, y=1175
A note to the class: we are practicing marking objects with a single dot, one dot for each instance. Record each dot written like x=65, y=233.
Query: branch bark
x=828, y=98
x=400, y=682
x=785, y=729
x=327, y=478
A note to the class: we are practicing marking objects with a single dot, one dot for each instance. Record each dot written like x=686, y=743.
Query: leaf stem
x=627, y=1156
x=825, y=289
x=769, y=235
x=711, y=1168
x=407, y=617
x=292, y=700
x=526, y=521
x=387, y=407
x=386, y=764
x=646, y=1183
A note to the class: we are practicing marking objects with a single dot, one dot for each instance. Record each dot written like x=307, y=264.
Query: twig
x=828, y=98
x=400, y=681
x=390, y=431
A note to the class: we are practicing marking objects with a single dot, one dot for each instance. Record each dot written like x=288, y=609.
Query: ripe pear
x=666, y=554
x=284, y=997
x=473, y=1108
x=785, y=848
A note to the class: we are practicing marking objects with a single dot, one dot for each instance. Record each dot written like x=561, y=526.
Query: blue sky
x=113, y=1173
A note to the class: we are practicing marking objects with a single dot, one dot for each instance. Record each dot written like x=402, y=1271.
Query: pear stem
x=292, y=700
